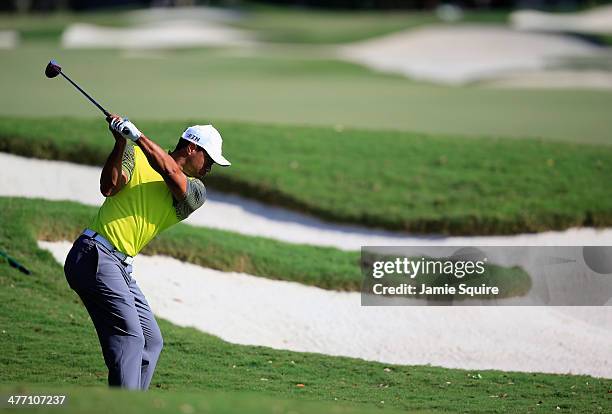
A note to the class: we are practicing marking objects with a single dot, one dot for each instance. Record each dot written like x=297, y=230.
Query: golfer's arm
x=113, y=178
x=165, y=165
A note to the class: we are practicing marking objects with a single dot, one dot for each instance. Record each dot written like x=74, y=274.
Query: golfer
x=147, y=190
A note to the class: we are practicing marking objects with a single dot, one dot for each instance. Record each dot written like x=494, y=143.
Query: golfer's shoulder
x=194, y=198
x=196, y=192
x=128, y=160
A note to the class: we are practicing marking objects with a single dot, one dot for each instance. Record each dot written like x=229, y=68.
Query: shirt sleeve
x=128, y=160
x=196, y=196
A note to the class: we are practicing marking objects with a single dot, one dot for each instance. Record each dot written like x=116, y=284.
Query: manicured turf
x=290, y=25
x=285, y=25
x=289, y=85
x=47, y=339
x=48, y=27
x=100, y=400
x=419, y=183
x=270, y=24
x=323, y=267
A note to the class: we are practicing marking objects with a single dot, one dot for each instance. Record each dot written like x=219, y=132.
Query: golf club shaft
x=106, y=113
x=14, y=263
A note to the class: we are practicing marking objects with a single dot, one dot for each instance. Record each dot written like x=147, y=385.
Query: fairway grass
x=289, y=85
x=268, y=23
x=311, y=26
x=400, y=181
x=48, y=341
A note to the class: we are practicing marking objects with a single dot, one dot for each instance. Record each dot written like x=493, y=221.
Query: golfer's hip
x=108, y=246
x=93, y=261
x=81, y=263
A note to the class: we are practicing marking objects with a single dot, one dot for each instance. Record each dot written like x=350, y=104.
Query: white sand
x=596, y=20
x=250, y=310
x=156, y=35
x=462, y=54
x=56, y=180
x=9, y=39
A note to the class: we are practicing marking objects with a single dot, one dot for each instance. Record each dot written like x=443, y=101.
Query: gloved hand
x=125, y=128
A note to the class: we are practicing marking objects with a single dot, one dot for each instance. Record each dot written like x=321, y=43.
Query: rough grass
x=101, y=400
x=400, y=181
x=47, y=340
x=327, y=268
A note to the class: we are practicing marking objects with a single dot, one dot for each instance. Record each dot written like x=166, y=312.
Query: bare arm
x=113, y=178
x=165, y=165
x=161, y=162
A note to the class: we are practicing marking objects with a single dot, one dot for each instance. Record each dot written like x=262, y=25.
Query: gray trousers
x=129, y=335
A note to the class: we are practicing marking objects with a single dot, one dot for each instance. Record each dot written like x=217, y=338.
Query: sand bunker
x=155, y=35
x=593, y=21
x=9, y=39
x=250, y=310
x=462, y=54
x=57, y=180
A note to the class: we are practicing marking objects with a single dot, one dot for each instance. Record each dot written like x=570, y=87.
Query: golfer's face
x=203, y=163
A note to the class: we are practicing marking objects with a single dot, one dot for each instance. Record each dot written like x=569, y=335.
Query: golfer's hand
x=118, y=136
x=124, y=127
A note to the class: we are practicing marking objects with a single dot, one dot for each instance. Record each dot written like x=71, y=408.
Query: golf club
x=14, y=263
x=53, y=69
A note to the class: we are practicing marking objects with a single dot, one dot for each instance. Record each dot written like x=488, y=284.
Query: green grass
x=327, y=268
x=413, y=182
x=321, y=26
x=269, y=24
x=47, y=340
x=48, y=27
x=289, y=85
x=286, y=25
x=100, y=400
x=318, y=266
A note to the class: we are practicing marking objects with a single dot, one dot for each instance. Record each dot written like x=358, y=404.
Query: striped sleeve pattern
x=128, y=161
x=195, y=197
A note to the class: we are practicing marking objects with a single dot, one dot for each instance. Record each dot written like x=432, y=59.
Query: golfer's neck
x=179, y=160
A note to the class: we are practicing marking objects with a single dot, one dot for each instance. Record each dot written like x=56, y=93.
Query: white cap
x=207, y=137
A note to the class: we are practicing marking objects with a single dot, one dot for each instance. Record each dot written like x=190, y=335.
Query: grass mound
x=327, y=268
x=395, y=180
x=48, y=341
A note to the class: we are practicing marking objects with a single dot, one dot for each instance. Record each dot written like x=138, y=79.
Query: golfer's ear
x=192, y=147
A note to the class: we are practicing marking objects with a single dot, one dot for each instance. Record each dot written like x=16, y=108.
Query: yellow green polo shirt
x=145, y=206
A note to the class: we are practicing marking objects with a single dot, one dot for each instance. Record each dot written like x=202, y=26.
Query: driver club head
x=53, y=69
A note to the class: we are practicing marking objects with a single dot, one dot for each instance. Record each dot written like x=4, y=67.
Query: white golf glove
x=126, y=128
